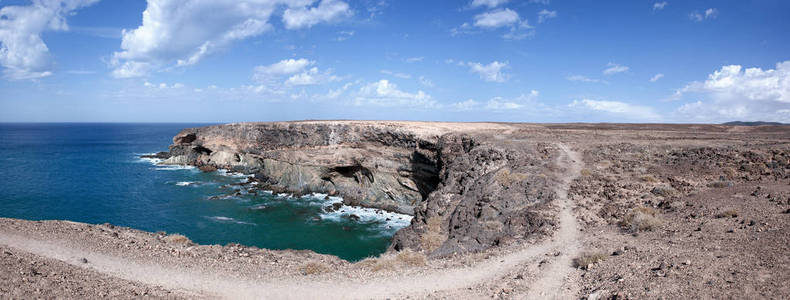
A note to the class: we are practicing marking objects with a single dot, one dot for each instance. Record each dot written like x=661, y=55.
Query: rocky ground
x=535, y=211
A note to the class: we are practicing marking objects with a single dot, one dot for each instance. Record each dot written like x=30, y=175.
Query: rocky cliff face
x=467, y=190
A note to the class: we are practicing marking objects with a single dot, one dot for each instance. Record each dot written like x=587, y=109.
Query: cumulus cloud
x=613, y=68
x=425, y=81
x=734, y=92
x=326, y=11
x=181, y=33
x=710, y=13
x=501, y=103
x=23, y=54
x=490, y=72
x=656, y=77
x=290, y=72
x=487, y=3
x=385, y=93
x=616, y=108
x=518, y=28
x=659, y=5
x=496, y=18
x=545, y=14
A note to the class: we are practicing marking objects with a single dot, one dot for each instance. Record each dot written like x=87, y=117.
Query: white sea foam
x=224, y=172
x=222, y=219
x=174, y=167
x=387, y=221
x=185, y=183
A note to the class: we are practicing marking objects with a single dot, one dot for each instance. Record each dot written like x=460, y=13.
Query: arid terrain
x=501, y=210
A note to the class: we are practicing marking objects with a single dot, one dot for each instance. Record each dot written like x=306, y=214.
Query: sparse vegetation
x=663, y=190
x=588, y=258
x=730, y=213
x=432, y=238
x=648, y=178
x=642, y=219
x=392, y=261
x=585, y=172
x=507, y=178
x=314, y=267
x=177, y=239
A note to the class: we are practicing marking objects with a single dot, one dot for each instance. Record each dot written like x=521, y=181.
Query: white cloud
x=414, y=59
x=385, y=93
x=621, y=109
x=710, y=13
x=344, y=35
x=614, y=68
x=487, y=3
x=545, y=14
x=499, y=103
x=490, y=72
x=583, y=78
x=467, y=105
x=326, y=11
x=284, y=67
x=656, y=77
x=496, y=18
x=659, y=5
x=426, y=82
x=297, y=71
x=181, y=33
x=396, y=74
x=23, y=54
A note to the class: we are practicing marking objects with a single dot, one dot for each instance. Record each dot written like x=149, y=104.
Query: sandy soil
x=662, y=211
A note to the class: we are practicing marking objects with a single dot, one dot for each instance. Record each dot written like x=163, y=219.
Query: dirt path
x=555, y=282
x=192, y=281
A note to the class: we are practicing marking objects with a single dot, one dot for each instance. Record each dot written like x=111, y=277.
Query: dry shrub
x=507, y=178
x=177, y=239
x=588, y=258
x=394, y=261
x=314, y=267
x=432, y=238
x=585, y=172
x=648, y=178
x=663, y=190
x=730, y=172
x=642, y=219
x=730, y=213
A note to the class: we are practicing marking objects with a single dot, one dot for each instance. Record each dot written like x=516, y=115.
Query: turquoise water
x=92, y=173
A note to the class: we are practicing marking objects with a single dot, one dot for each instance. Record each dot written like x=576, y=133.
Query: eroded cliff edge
x=467, y=189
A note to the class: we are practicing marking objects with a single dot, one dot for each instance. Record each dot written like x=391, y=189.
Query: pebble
x=84, y=260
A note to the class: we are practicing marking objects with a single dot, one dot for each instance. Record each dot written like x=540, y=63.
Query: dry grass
x=585, y=172
x=177, y=239
x=390, y=261
x=588, y=258
x=432, y=238
x=648, y=178
x=507, y=178
x=730, y=213
x=642, y=219
x=314, y=267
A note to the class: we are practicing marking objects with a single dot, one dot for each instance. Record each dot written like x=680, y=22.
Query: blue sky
x=474, y=60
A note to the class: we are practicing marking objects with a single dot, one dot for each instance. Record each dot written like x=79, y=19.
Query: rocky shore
x=503, y=211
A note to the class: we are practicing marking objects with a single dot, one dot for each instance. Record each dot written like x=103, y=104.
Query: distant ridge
x=755, y=123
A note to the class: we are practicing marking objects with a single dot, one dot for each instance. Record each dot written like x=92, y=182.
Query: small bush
x=648, y=178
x=720, y=184
x=642, y=219
x=314, y=267
x=507, y=178
x=730, y=213
x=663, y=190
x=177, y=239
x=432, y=238
x=585, y=172
x=588, y=258
x=392, y=261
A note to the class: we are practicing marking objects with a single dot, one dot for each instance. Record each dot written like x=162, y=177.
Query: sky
x=695, y=61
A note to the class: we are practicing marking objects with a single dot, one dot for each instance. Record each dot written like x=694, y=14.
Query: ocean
x=93, y=173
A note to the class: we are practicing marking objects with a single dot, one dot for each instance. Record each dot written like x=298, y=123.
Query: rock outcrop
x=467, y=189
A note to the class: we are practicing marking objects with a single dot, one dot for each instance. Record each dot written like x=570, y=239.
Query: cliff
x=467, y=188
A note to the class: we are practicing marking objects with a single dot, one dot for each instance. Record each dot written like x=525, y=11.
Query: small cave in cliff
x=425, y=173
x=354, y=171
